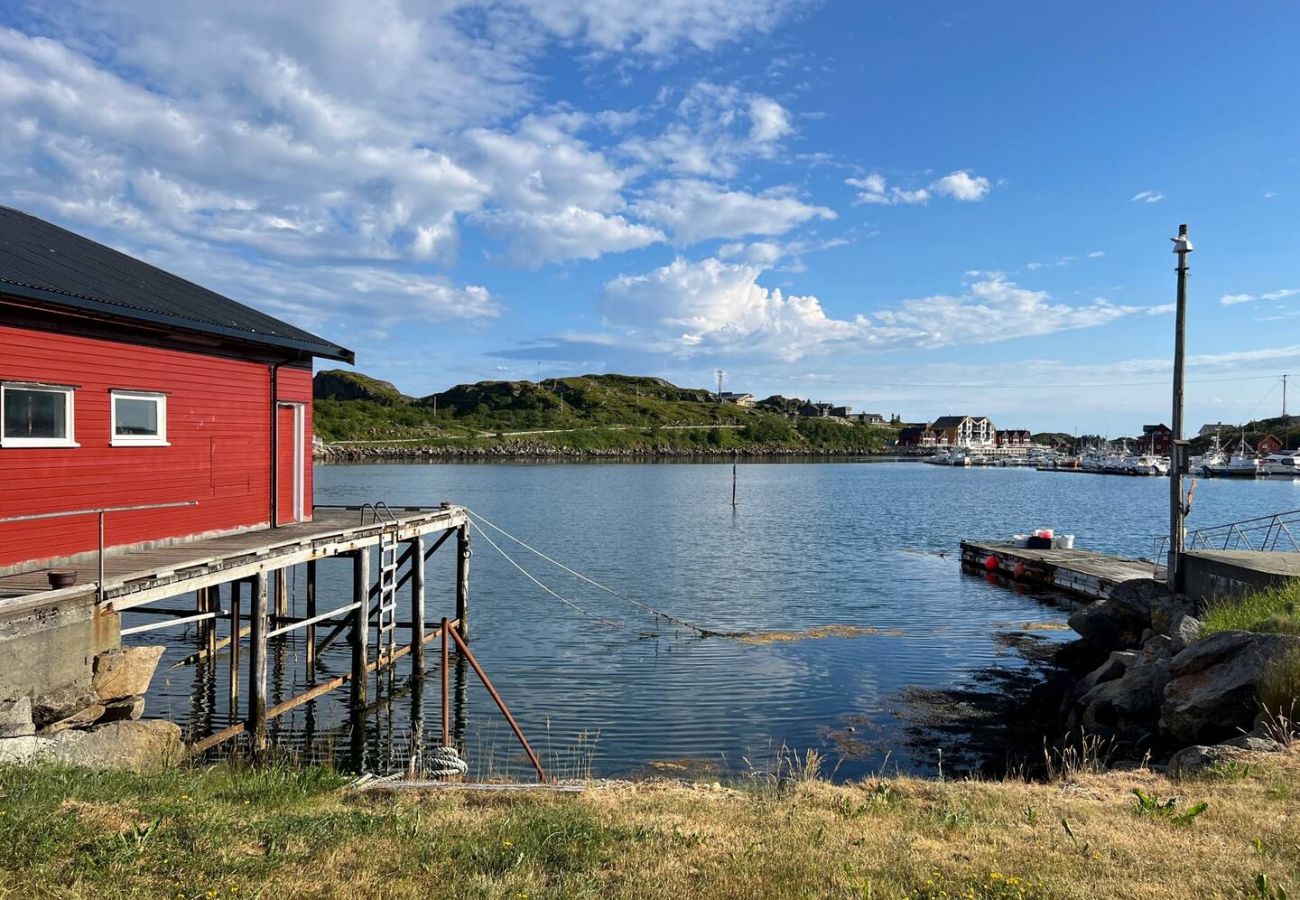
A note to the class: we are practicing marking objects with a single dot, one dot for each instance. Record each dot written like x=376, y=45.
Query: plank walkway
x=135, y=577
x=1083, y=573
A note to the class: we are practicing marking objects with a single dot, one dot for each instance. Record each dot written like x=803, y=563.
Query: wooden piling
x=360, y=625
x=417, y=606
x=311, y=613
x=462, y=580
x=235, y=601
x=281, y=593
x=257, y=662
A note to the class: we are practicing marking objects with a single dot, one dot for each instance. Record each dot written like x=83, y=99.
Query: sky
x=913, y=208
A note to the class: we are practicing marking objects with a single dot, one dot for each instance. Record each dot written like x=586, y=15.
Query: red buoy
x=1020, y=570
x=991, y=563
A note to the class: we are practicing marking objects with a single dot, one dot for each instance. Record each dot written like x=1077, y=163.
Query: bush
x=1278, y=688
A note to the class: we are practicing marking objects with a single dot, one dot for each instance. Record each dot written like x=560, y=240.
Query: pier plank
x=1083, y=573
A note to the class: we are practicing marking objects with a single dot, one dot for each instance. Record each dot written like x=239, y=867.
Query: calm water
x=810, y=544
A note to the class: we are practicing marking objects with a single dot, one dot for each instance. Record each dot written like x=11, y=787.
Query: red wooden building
x=124, y=385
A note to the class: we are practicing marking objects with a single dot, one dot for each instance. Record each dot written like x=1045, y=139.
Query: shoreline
x=542, y=452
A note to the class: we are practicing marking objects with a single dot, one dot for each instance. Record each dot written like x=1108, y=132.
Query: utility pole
x=719, y=373
x=1284, y=378
x=1182, y=247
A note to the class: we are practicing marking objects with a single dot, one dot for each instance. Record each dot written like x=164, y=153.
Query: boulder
x=120, y=745
x=1184, y=631
x=1119, y=621
x=16, y=718
x=20, y=750
x=1253, y=743
x=55, y=706
x=1211, y=692
x=1192, y=761
x=1126, y=704
x=125, y=673
x=123, y=710
x=1166, y=609
x=1112, y=668
x=81, y=719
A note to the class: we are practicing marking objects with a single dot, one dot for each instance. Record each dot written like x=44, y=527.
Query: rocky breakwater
x=1163, y=689
x=542, y=451
x=98, y=725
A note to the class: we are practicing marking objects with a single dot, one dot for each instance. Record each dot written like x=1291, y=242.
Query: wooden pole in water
x=417, y=606
x=235, y=601
x=360, y=625
x=462, y=580
x=733, y=484
x=446, y=705
x=257, y=663
x=1182, y=246
x=281, y=594
x=311, y=613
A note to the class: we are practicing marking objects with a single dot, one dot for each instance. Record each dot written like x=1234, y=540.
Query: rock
x=1253, y=743
x=80, y=719
x=20, y=750
x=58, y=705
x=16, y=718
x=1110, y=625
x=1159, y=646
x=1112, y=668
x=1194, y=760
x=125, y=673
x=1211, y=692
x=1184, y=631
x=123, y=710
x=1165, y=611
x=119, y=745
x=1126, y=704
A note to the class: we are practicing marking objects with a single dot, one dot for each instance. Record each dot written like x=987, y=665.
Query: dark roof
x=40, y=261
x=952, y=421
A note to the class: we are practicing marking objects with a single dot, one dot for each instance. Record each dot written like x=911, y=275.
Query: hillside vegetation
x=588, y=412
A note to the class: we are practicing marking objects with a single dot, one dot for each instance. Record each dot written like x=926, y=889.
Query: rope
x=566, y=601
x=445, y=762
x=690, y=626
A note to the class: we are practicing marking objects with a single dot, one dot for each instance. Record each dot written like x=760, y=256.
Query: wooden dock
x=1082, y=573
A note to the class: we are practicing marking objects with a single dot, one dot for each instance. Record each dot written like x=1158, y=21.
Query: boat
x=1284, y=465
x=1212, y=458
x=1243, y=463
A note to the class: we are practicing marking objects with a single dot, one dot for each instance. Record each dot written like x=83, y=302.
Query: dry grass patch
x=303, y=835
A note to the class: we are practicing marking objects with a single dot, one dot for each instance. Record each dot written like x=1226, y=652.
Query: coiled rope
x=445, y=762
x=700, y=630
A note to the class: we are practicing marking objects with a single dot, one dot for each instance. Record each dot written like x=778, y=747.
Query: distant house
x=1014, y=437
x=738, y=399
x=1157, y=439
x=1268, y=444
x=967, y=431
x=921, y=436
x=868, y=418
x=824, y=411
x=1207, y=430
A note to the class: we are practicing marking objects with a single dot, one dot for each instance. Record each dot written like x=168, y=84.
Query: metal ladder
x=387, y=607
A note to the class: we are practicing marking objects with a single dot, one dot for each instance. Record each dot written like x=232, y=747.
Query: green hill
x=585, y=412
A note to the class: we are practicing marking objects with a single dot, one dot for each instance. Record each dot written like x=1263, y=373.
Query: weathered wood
x=311, y=612
x=360, y=625
x=235, y=602
x=281, y=592
x=462, y=580
x=257, y=662
x=1084, y=573
x=417, y=604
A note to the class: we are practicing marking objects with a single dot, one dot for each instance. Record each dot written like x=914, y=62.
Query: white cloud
x=961, y=185
x=769, y=120
x=1147, y=197
x=659, y=27
x=696, y=210
x=1234, y=299
x=1097, y=254
x=713, y=307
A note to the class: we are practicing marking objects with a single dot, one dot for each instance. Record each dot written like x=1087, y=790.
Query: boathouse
x=155, y=444
x=124, y=385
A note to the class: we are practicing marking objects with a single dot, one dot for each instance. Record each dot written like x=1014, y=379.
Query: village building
x=738, y=399
x=1157, y=439
x=1015, y=438
x=967, y=432
x=1268, y=444
x=868, y=418
x=921, y=436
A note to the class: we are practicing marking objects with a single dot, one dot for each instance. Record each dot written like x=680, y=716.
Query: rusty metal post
x=257, y=663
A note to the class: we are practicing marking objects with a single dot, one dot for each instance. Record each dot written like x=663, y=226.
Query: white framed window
x=138, y=419
x=36, y=415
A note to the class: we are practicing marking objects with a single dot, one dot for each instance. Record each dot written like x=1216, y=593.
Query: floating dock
x=1082, y=573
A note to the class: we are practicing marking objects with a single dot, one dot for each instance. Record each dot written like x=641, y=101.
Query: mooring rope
x=565, y=600
x=691, y=626
x=445, y=762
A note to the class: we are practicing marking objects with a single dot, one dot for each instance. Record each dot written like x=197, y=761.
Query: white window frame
x=137, y=440
x=69, y=407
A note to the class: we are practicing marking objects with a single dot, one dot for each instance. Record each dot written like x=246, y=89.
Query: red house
x=124, y=385
x=1157, y=439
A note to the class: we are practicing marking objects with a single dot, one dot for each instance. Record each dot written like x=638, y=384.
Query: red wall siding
x=218, y=425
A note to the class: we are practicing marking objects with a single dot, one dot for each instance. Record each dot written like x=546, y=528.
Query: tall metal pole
x=1182, y=247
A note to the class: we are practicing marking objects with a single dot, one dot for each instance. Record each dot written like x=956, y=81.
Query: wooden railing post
x=257, y=662
x=417, y=606
x=360, y=624
x=462, y=580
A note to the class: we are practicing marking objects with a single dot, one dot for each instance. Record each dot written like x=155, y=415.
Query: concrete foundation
x=1226, y=573
x=49, y=644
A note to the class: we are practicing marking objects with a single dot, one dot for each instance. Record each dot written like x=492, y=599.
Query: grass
x=1273, y=610
x=229, y=832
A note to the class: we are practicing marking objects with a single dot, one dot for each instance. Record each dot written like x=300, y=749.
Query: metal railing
x=1277, y=532
x=100, y=511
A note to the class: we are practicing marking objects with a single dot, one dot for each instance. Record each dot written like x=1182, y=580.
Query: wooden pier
x=1082, y=573
x=250, y=572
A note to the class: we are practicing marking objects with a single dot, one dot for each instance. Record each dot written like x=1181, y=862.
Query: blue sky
x=912, y=208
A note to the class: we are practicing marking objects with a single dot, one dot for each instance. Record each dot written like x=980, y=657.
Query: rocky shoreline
x=529, y=450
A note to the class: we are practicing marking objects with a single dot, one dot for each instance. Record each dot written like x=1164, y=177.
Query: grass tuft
x=1273, y=610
